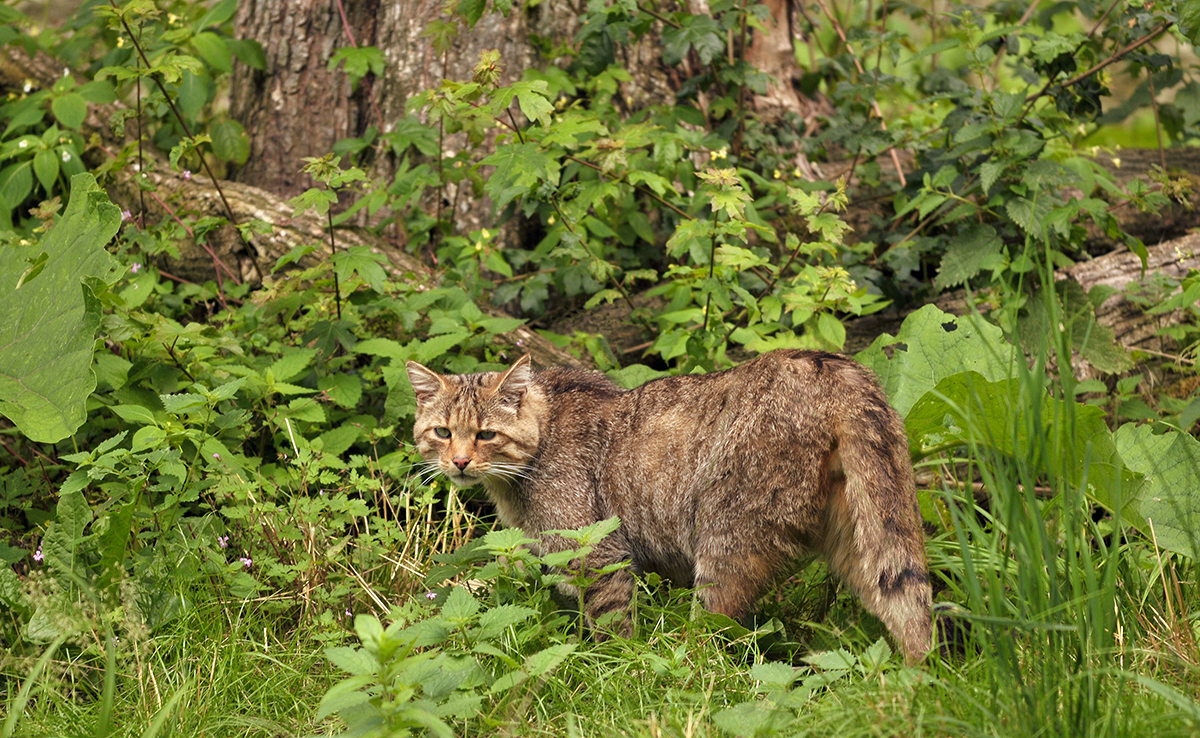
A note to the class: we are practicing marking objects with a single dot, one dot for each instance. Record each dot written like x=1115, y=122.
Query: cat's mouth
x=462, y=478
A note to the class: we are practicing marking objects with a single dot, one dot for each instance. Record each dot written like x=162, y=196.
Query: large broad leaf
x=1170, y=501
x=932, y=345
x=48, y=325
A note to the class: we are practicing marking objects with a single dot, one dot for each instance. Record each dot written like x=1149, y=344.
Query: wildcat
x=719, y=479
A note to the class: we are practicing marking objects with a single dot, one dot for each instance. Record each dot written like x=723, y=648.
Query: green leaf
x=230, y=142
x=354, y=661
x=45, y=166
x=548, y=659
x=460, y=606
x=317, y=199
x=62, y=544
x=1169, y=506
x=471, y=10
x=700, y=32
x=213, y=50
x=1189, y=20
x=533, y=97
x=932, y=345
x=496, y=263
x=193, y=94
x=16, y=182
x=359, y=62
x=976, y=246
x=498, y=619
x=47, y=328
x=249, y=51
x=292, y=363
x=518, y=168
x=217, y=15
x=70, y=109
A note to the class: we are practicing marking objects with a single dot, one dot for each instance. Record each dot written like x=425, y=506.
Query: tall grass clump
x=1054, y=588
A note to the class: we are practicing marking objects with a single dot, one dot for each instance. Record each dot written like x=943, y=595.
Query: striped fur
x=720, y=480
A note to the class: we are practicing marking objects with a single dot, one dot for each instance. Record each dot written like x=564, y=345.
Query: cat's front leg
x=607, y=593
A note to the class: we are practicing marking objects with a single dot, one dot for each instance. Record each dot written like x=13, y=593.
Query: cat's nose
x=461, y=462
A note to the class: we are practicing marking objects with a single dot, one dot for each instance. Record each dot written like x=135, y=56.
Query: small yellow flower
x=778, y=174
x=797, y=173
x=28, y=86
x=479, y=246
x=1116, y=160
x=121, y=42
x=724, y=152
x=550, y=220
x=485, y=233
x=172, y=18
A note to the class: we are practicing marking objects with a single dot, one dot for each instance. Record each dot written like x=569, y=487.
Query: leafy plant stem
x=337, y=291
x=657, y=16
x=1116, y=57
x=187, y=131
x=640, y=188
x=874, y=102
x=141, y=164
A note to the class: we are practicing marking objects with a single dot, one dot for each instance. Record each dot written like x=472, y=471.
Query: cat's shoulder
x=559, y=380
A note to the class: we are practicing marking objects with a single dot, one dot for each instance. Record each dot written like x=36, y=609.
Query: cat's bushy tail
x=873, y=534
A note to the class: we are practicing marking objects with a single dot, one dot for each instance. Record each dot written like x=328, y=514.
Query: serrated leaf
x=548, y=659
x=62, y=543
x=47, y=328
x=346, y=693
x=292, y=363
x=989, y=172
x=773, y=673
x=496, y=620
x=460, y=606
x=353, y=661
x=967, y=255
x=434, y=347
x=700, y=32
x=518, y=168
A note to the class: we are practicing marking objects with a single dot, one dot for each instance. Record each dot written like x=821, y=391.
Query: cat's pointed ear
x=514, y=382
x=426, y=383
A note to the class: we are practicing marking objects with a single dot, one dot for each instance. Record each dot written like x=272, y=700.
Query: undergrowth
x=212, y=521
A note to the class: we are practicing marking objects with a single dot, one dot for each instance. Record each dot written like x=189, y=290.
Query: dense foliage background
x=212, y=520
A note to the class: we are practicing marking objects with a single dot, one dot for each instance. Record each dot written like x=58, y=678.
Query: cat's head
x=475, y=427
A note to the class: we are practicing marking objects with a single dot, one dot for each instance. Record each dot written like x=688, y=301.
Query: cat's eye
x=485, y=435
x=442, y=432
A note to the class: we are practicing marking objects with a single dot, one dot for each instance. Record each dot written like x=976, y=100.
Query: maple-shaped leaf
x=519, y=167
x=700, y=32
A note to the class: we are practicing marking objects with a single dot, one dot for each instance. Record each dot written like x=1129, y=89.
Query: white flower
x=66, y=156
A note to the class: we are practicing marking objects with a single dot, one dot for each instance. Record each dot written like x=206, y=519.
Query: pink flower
x=126, y=215
x=135, y=267
x=431, y=595
x=187, y=174
x=246, y=561
x=223, y=541
x=217, y=457
x=37, y=555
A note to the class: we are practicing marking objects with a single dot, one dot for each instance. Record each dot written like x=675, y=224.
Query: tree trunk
x=296, y=107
